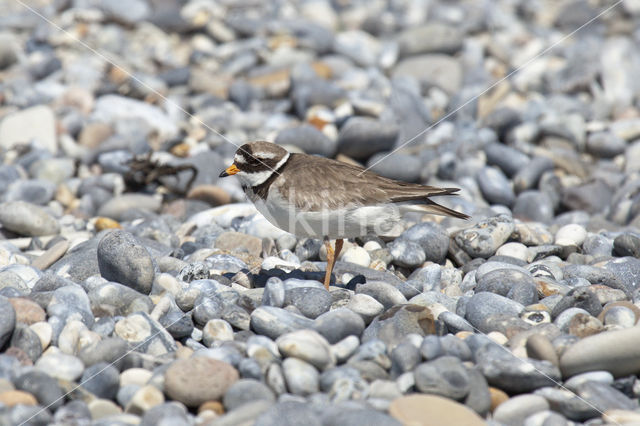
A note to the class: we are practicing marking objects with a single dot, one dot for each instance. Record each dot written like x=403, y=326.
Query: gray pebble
x=244, y=391
x=27, y=219
x=308, y=139
x=273, y=322
x=312, y=302
x=122, y=259
x=495, y=186
x=339, y=323
x=361, y=137
x=102, y=380
x=445, y=376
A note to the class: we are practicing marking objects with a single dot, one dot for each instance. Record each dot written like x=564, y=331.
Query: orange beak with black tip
x=230, y=171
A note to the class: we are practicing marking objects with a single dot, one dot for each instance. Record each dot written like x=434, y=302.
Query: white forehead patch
x=239, y=159
x=265, y=155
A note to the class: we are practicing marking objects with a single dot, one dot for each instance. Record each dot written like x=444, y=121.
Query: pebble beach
x=139, y=288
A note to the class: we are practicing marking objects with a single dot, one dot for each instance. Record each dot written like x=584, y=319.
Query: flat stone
x=196, y=380
x=27, y=219
x=18, y=128
x=612, y=351
x=432, y=410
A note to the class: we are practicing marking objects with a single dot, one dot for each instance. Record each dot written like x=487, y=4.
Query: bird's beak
x=231, y=170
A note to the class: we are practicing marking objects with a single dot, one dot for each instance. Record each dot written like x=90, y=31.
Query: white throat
x=258, y=178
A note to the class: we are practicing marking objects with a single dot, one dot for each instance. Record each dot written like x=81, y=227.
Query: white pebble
x=357, y=255
x=515, y=250
x=571, y=235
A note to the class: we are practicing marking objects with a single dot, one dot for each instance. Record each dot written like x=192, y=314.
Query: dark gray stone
x=445, y=376
x=122, y=259
x=102, y=380
x=339, y=323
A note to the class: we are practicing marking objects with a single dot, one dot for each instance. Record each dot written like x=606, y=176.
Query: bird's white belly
x=339, y=223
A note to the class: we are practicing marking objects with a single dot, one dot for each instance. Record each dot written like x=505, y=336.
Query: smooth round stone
x=605, y=144
x=519, y=407
x=361, y=137
x=509, y=373
x=101, y=408
x=596, y=376
x=620, y=316
x=309, y=139
x=307, y=345
x=540, y=347
x=27, y=219
x=7, y=320
x=404, y=357
x=273, y=322
x=533, y=206
x=122, y=259
x=432, y=410
x=345, y=348
x=432, y=237
x=357, y=255
x=571, y=235
x=495, y=186
x=515, y=250
x=445, y=376
x=301, y=377
x=196, y=380
x=43, y=387
x=312, y=302
x=613, y=351
x=483, y=305
x=509, y=159
x=502, y=281
x=245, y=391
x=60, y=366
x=484, y=238
x=216, y=330
x=135, y=376
x=626, y=245
x=207, y=308
x=406, y=253
x=249, y=368
x=31, y=191
x=365, y=306
x=406, y=168
x=384, y=293
x=339, y=323
x=102, y=380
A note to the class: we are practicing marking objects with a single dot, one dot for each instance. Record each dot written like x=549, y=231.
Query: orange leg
x=332, y=256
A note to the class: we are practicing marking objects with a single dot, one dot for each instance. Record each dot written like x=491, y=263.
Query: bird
x=318, y=197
